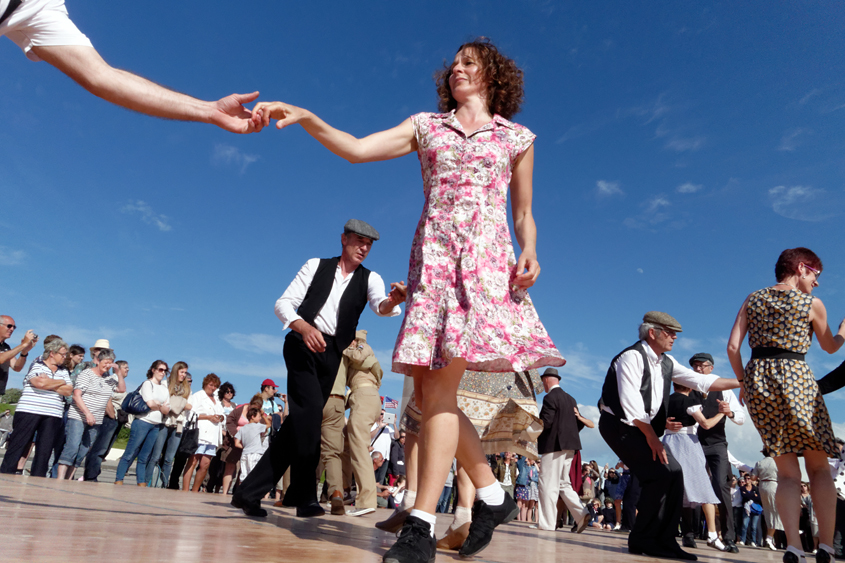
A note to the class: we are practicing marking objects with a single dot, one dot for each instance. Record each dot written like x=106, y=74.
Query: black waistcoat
x=610, y=390
x=352, y=302
x=715, y=435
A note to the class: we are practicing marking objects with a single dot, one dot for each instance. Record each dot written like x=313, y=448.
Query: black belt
x=13, y=5
x=770, y=352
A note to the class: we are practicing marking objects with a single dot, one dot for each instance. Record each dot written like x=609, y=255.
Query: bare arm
x=706, y=423
x=383, y=145
x=28, y=341
x=586, y=421
x=88, y=69
x=738, y=332
x=80, y=404
x=60, y=386
x=829, y=342
x=523, y=219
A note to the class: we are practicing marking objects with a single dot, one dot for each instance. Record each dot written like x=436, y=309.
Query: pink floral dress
x=461, y=299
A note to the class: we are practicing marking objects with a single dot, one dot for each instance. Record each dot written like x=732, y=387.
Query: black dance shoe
x=415, y=543
x=484, y=519
x=309, y=510
x=250, y=509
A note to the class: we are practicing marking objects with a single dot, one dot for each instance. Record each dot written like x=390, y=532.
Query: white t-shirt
x=96, y=393
x=382, y=443
x=250, y=437
x=42, y=401
x=151, y=391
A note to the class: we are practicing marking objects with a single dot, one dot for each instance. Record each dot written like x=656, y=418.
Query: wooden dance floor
x=48, y=520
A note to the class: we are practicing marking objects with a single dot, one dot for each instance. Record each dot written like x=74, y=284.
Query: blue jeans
x=142, y=440
x=167, y=441
x=754, y=519
x=105, y=438
x=78, y=439
x=443, y=503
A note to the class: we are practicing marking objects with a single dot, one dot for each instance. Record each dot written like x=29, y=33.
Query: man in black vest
x=634, y=401
x=321, y=306
x=557, y=445
x=715, y=446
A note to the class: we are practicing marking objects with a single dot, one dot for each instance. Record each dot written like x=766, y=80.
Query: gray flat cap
x=702, y=357
x=360, y=228
x=551, y=372
x=662, y=319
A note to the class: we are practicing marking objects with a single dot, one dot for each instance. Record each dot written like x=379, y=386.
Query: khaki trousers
x=554, y=483
x=331, y=442
x=365, y=408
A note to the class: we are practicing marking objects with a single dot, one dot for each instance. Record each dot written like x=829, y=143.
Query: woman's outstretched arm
x=383, y=145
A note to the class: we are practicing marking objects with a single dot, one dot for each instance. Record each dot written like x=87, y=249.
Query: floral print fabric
x=782, y=395
x=461, y=300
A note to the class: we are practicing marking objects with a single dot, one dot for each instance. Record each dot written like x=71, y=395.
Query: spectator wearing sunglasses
x=7, y=353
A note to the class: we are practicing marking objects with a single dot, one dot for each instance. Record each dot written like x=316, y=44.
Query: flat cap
x=360, y=228
x=702, y=357
x=662, y=319
x=551, y=372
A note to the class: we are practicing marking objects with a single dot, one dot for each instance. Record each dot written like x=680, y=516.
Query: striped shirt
x=96, y=392
x=42, y=401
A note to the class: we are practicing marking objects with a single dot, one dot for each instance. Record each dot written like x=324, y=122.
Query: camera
x=279, y=395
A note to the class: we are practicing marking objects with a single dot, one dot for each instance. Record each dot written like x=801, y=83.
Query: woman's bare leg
x=823, y=493
x=788, y=498
x=205, y=461
x=189, y=470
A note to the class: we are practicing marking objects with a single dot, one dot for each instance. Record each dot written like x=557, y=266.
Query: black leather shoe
x=415, y=543
x=664, y=553
x=394, y=522
x=689, y=541
x=309, y=510
x=484, y=519
x=730, y=546
x=250, y=509
x=822, y=556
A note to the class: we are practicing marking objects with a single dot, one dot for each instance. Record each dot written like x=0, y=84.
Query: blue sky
x=681, y=147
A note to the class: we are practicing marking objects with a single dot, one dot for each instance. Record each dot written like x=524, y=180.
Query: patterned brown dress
x=783, y=398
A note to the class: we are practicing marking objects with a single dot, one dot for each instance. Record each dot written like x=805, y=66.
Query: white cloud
x=789, y=141
x=808, y=95
x=148, y=216
x=804, y=203
x=654, y=204
x=688, y=188
x=639, y=270
x=275, y=371
x=607, y=189
x=653, y=111
x=684, y=144
x=256, y=343
x=11, y=257
x=86, y=337
x=227, y=154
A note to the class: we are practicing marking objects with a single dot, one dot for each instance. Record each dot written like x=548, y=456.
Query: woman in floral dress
x=782, y=395
x=467, y=306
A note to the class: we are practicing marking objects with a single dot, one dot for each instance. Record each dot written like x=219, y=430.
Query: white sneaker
x=617, y=527
x=770, y=544
x=752, y=544
x=360, y=511
x=716, y=543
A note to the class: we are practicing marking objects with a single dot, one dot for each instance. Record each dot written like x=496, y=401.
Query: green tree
x=12, y=396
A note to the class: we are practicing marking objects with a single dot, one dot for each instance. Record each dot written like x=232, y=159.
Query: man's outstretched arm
x=85, y=66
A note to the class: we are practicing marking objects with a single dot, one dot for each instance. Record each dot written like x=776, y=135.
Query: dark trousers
x=720, y=477
x=297, y=443
x=26, y=425
x=662, y=496
x=629, y=503
x=109, y=430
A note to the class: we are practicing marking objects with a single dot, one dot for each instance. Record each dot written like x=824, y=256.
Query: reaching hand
x=525, y=279
x=313, y=338
x=284, y=114
x=724, y=407
x=657, y=451
x=231, y=115
x=398, y=293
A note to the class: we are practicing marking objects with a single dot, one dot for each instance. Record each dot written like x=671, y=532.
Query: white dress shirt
x=736, y=409
x=326, y=319
x=629, y=376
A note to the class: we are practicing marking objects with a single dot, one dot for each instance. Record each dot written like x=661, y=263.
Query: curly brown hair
x=504, y=80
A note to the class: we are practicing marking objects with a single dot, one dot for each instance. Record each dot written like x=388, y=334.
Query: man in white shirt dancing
x=634, y=403
x=321, y=307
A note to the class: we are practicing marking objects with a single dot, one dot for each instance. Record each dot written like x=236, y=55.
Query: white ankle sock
x=425, y=517
x=796, y=551
x=408, y=500
x=493, y=495
x=712, y=536
x=827, y=548
x=462, y=516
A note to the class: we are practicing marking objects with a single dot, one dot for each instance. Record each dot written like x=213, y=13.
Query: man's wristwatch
x=24, y=355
